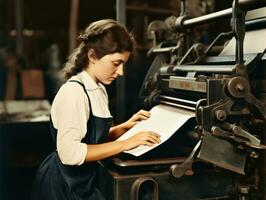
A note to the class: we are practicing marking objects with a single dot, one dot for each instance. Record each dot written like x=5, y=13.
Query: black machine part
x=245, y=5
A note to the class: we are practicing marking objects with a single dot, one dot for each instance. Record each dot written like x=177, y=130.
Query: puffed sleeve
x=70, y=113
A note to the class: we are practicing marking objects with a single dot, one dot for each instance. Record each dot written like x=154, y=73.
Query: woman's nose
x=120, y=70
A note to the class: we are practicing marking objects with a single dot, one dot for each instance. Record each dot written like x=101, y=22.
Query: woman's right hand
x=148, y=138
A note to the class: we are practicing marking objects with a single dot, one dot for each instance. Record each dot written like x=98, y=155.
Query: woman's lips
x=112, y=79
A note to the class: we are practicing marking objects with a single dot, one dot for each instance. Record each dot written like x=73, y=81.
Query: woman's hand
x=118, y=130
x=148, y=138
x=136, y=118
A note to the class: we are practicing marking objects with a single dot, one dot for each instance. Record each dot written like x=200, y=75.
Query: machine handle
x=185, y=168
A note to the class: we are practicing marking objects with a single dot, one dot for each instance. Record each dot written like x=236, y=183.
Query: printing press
x=220, y=152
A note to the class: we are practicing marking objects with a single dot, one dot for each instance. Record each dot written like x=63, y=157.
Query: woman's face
x=108, y=68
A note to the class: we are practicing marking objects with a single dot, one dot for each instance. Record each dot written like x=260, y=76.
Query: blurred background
x=35, y=40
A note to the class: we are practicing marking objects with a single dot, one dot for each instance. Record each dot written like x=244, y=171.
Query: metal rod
x=183, y=8
x=177, y=105
x=245, y=5
x=205, y=68
x=238, y=27
x=207, y=18
x=178, y=99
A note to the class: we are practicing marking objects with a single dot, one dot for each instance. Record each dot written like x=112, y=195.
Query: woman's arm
x=116, y=131
x=101, y=151
x=96, y=152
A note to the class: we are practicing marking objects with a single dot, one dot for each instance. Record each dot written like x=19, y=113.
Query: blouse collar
x=88, y=82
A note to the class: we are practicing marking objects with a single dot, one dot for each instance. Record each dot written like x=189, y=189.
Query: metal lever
x=238, y=131
x=237, y=134
x=183, y=8
x=217, y=131
x=186, y=167
x=238, y=26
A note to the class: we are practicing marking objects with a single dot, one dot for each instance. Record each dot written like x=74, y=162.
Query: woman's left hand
x=136, y=118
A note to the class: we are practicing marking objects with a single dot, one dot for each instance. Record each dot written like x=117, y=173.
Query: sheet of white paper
x=164, y=120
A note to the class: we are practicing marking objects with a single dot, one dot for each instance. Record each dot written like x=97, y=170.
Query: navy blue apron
x=57, y=181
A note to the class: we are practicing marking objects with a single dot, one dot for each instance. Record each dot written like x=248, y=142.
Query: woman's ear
x=92, y=56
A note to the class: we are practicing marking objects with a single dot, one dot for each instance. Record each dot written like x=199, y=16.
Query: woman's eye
x=116, y=64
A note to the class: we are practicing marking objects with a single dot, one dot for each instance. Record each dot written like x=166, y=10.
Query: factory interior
x=200, y=63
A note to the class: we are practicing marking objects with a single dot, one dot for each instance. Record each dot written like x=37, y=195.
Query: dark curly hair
x=105, y=36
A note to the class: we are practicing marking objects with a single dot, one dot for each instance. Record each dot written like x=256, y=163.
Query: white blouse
x=70, y=113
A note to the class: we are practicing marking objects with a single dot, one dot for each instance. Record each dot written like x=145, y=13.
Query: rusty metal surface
x=222, y=153
x=147, y=162
x=204, y=184
x=187, y=84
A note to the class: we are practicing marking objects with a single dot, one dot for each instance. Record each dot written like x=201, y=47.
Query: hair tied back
x=84, y=37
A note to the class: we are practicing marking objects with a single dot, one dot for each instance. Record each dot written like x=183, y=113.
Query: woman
x=81, y=120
